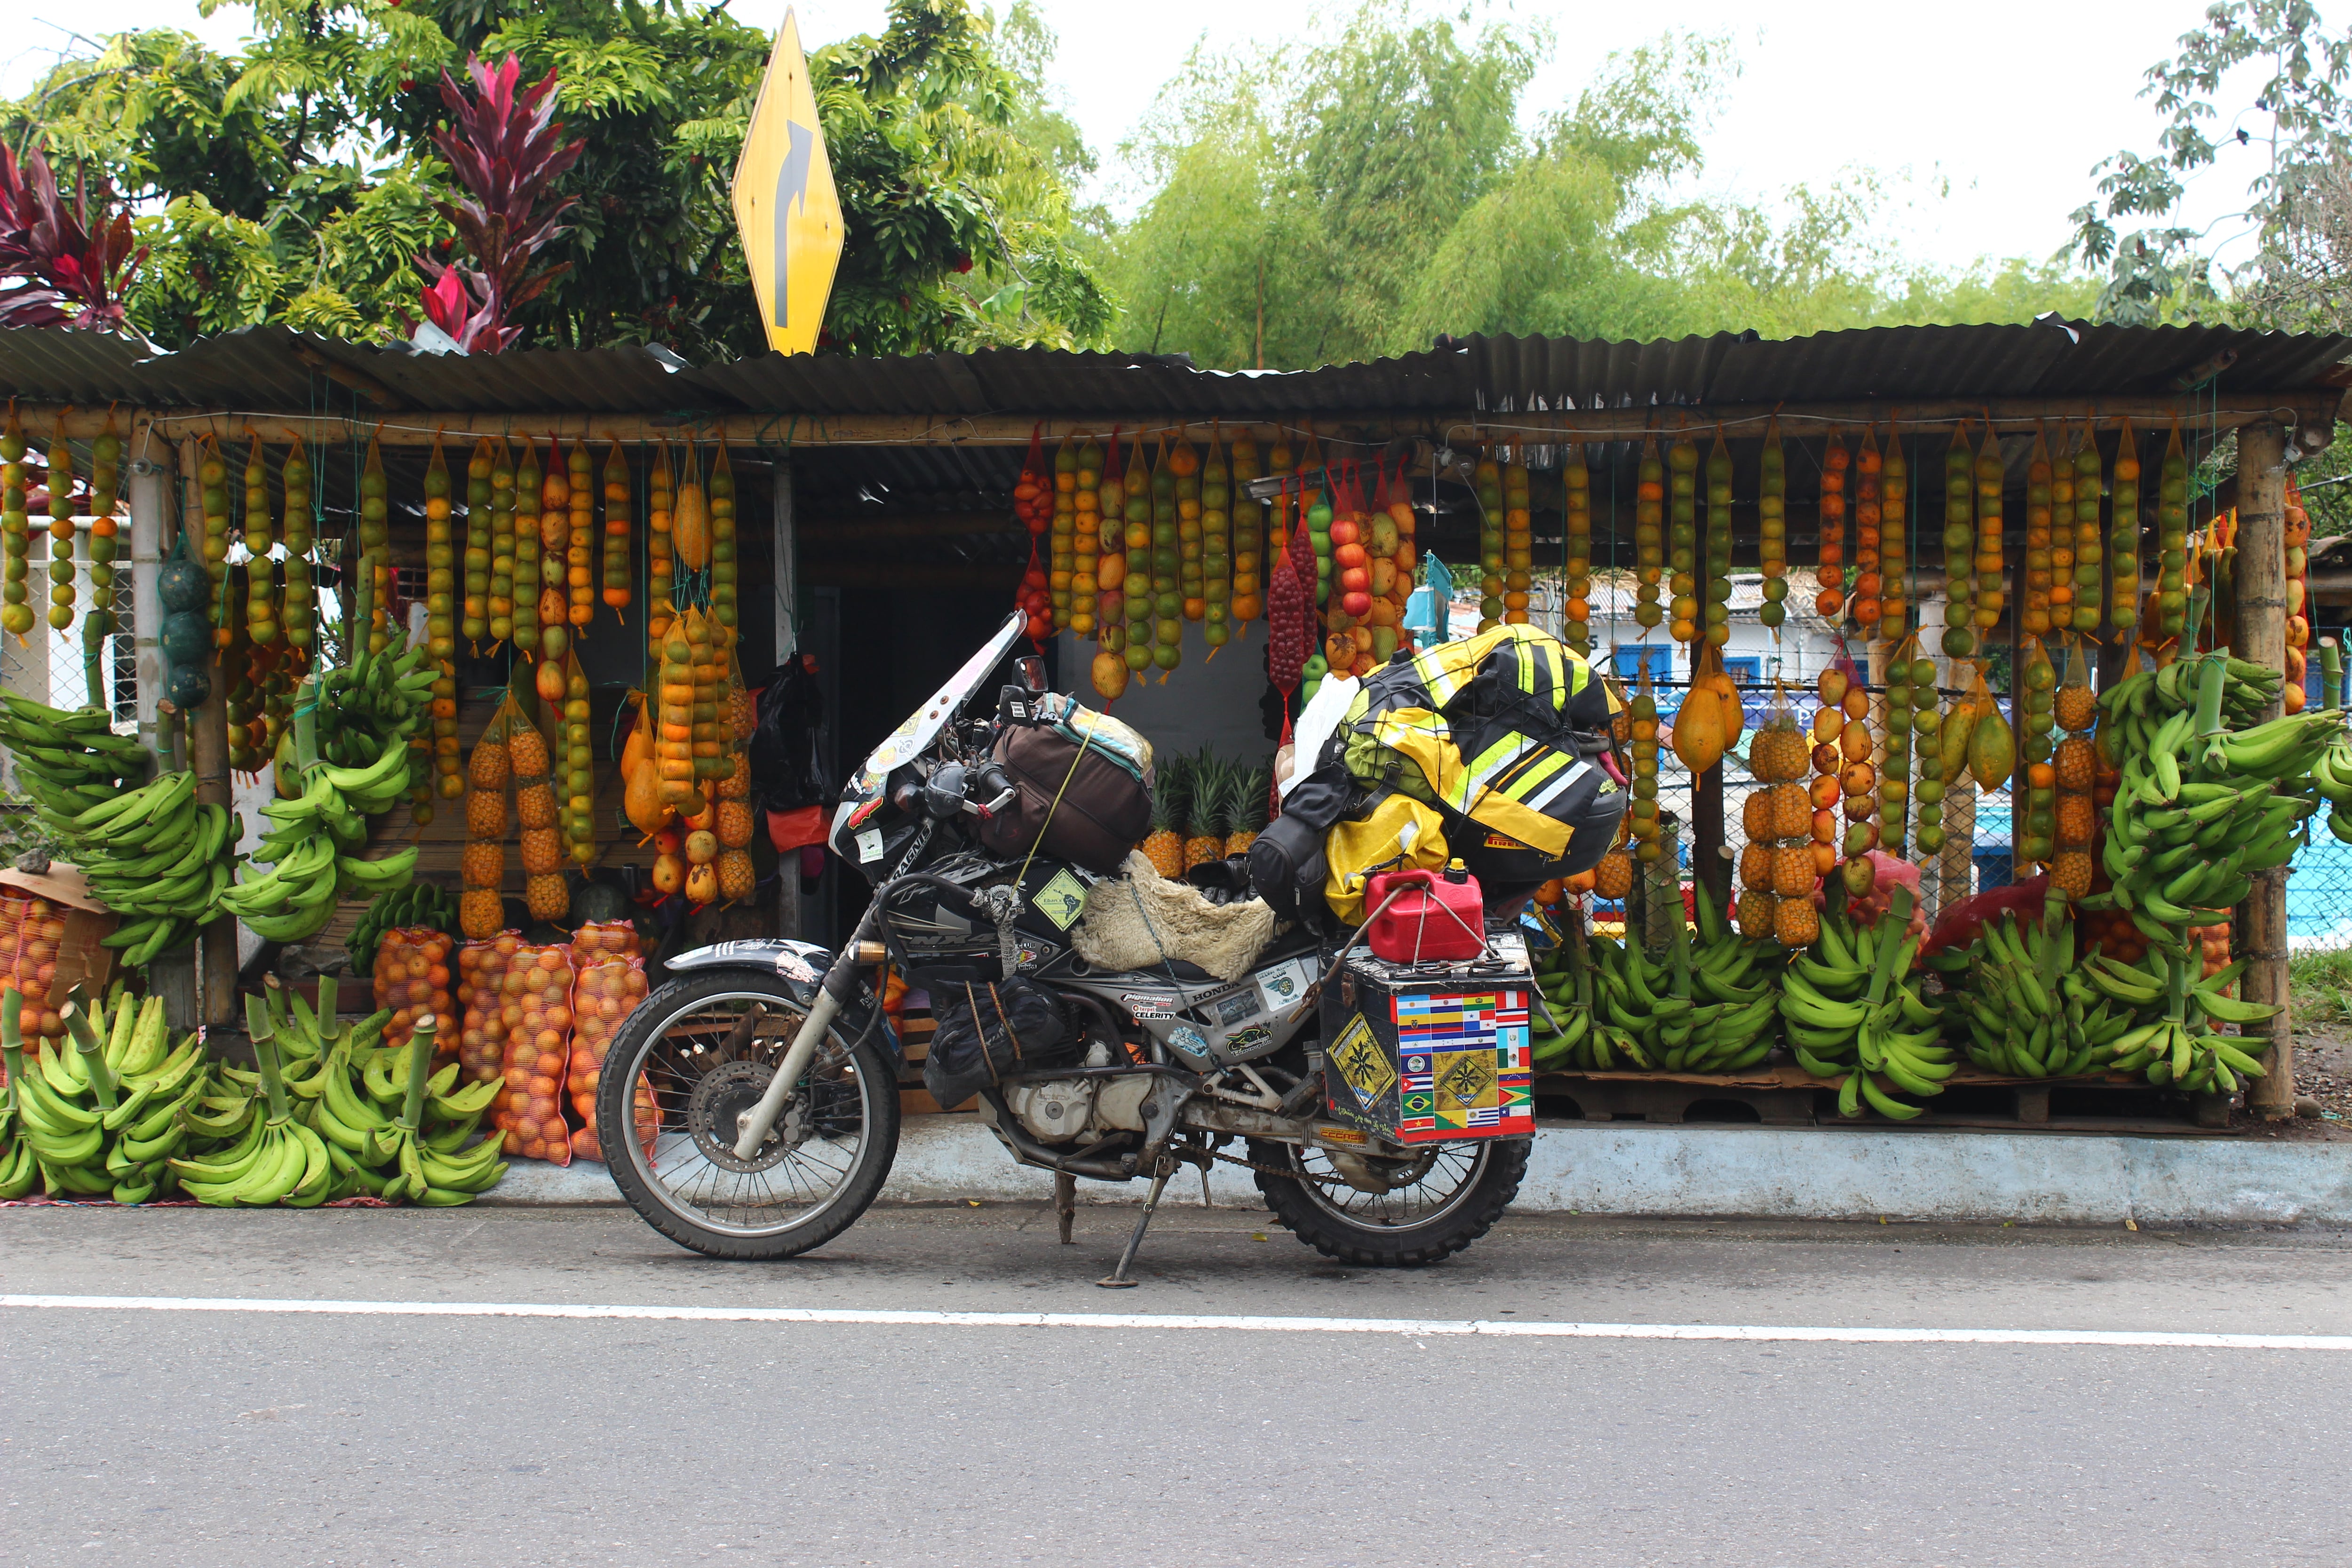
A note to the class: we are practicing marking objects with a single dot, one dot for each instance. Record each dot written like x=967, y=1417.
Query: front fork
x=840, y=983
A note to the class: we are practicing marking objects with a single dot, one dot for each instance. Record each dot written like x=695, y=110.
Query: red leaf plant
x=506, y=152
x=69, y=271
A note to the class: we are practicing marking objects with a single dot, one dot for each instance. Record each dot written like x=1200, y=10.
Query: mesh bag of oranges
x=481, y=969
x=35, y=929
x=411, y=978
x=535, y=996
x=605, y=989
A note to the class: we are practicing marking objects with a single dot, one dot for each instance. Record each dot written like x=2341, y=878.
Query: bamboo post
x=150, y=471
x=2262, y=633
x=208, y=750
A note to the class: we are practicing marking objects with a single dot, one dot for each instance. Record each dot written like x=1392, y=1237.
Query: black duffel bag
x=985, y=1032
x=1072, y=802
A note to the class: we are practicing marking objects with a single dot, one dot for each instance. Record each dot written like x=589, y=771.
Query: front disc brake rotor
x=722, y=1098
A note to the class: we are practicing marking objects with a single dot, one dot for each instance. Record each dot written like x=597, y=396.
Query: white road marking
x=1483, y=1328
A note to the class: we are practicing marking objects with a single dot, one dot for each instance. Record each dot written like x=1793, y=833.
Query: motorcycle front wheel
x=693, y=1057
x=1444, y=1199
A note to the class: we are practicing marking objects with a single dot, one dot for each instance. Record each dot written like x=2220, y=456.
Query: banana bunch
x=1715, y=1012
x=1853, y=1012
x=404, y=1137
x=314, y=849
x=2133, y=709
x=2025, y=1010
x=2181, y=1047
x=103, y=1117
x=68, y=763
x=273, y=1157
x=152, y=856
x=2201, y=808
x=1560, y=1024
x=417, y=904
x=2331, y=775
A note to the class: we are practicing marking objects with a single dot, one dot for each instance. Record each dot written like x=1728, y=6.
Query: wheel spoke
x=805, y=1167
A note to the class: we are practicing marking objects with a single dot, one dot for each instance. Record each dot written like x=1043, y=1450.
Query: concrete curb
x=1772, y=1172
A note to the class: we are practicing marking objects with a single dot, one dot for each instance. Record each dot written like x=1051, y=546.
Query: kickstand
x=1117, y=1279
x=1065, y=1202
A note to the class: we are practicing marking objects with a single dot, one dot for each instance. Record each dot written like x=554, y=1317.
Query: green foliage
x=295, y=181
x=2295, y=113
x=2320, y=986
x=1372, y=189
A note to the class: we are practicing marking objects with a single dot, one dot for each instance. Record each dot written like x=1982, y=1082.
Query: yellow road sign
x=785, y=205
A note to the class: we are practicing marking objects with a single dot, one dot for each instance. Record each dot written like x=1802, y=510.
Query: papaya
x=1699, y=729
x=1992, y=754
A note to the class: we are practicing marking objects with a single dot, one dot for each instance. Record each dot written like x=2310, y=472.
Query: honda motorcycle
x=761, y=1080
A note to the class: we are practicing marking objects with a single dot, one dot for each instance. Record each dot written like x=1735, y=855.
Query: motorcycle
x=761, y=1080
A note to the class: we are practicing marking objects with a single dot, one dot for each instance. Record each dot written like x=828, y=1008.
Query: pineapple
x=484, y=864
x=1165, y=846
x=2077, y=763
x=489, y=765
x=2076, y=821
x=1756, y=816
x=2078, y=706
x=1792, y=811
x=735, y=875
x=1755, y=868
x=480, y=912
x=1614, y=877
x=737, y=785
x=1758, y=913
x=1249, y=811
x=542, y=852
x=735, y=823
x=2070, y=873
x=1796, y=923
x=526, y=750
x=1212, y=814
x=1779, y=753
x=1792, y=870
x=486, y=813
x=548, y=896
x=535, y=804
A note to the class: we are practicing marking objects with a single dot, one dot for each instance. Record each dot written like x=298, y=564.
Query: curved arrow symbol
x=792, y=186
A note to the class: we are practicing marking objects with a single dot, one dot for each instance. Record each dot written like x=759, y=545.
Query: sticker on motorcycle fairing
x=1031, y=955
x=1357, y=1057
x=869, y=845
x=1148, y=1006
x=1189, y=1040
x=1232, y=1009
x=1327, y=1133
x=1061, y=900
x=1244, y=1040
x=1284, y=985
x=792, y=967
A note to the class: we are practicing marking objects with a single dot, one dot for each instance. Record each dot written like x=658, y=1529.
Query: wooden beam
x=2314, y=411
x=2262, y=639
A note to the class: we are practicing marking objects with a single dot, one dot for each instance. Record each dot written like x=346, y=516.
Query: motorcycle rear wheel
x=818, y=1171
x=1464, y=1191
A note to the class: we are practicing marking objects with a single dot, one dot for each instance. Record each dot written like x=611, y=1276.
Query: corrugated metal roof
x=272, y=369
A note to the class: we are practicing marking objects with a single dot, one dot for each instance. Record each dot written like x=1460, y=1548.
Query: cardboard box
x=80, y=959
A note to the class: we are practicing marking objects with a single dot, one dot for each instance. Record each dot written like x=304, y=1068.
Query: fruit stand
x=468, y=650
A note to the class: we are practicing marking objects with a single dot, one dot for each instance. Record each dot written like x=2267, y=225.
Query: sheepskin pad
x=1140, y=919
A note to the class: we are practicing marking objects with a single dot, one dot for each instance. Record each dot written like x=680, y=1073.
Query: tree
x=2296, y=118
x=1371, y=189
x=296, y=180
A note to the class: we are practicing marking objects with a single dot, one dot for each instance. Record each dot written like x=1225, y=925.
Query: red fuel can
x=1437, y=918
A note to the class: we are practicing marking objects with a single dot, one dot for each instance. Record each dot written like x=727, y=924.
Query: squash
x=1699, y=729
x=182, y=581
x=187, y=637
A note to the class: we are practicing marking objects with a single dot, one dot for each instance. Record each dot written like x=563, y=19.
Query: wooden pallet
x=1787, y=1096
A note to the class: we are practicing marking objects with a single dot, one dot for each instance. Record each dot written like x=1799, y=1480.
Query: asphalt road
x=239, y=1438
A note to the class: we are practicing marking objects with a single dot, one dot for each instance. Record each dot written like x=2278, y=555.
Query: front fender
x=801, y=967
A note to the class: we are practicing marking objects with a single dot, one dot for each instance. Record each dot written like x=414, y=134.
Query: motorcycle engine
x=1079, y=1110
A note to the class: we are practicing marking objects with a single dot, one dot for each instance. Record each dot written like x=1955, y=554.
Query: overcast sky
x=2006, y=104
